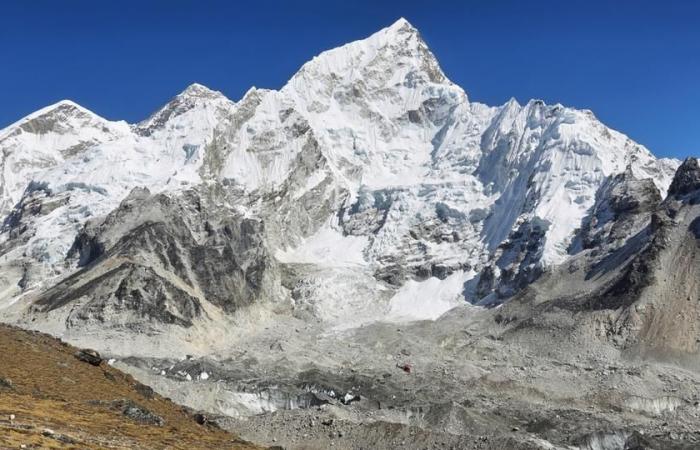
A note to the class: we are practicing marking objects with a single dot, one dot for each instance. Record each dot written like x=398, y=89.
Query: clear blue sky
x=636, y=64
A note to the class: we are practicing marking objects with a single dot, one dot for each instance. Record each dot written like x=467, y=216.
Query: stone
x=89, y=356
x=145, y=391
x=687, y=178
x=201, y=419
x=6, y=383
x=142, y=415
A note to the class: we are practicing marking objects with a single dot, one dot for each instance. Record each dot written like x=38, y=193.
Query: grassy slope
x=52, y=389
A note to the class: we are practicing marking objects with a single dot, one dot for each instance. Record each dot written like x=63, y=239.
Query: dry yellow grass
x=52, y=389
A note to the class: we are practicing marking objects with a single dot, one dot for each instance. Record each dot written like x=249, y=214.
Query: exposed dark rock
x=89, y=356
x=518, y=262
x=687, y=178
x=6, y=383
x=147, y=261
x=623, y=205
x=694, y=228
x=369, y=212
x=138, y=414
x=87, y=247
x=393, y=273
x=487, y=282
x=201, y=418
x=145, y=391
x=31, y=204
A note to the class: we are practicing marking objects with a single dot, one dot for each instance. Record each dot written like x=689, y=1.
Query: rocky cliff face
x=623, y=206
x=163, y=259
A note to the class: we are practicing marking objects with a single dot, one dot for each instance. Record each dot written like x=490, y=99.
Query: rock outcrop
x=162, y=259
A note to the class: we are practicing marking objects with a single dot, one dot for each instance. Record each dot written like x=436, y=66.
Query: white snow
x=328, y=247
x=429, y=299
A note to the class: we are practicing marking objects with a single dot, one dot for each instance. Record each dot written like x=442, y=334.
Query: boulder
x=6, y=383
x=139, y=414
x=201, y=419
x=89, y=356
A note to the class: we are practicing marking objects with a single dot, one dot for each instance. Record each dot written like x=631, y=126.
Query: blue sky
x=636, y=64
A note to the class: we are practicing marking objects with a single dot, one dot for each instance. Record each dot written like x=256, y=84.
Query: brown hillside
x=61, y=402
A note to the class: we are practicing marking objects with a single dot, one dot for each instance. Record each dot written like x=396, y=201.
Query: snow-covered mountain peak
x=391, y=58
x=400, y=32
x=65, y=106
x=197, y=102
x=45, y=139
x=61, y=117
x=402, y=25
x=196, y=90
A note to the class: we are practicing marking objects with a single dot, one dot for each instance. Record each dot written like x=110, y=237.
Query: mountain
x=398, y=164
x=368, y=191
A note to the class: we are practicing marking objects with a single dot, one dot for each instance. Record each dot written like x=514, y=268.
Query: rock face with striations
x=622, y=208
x=687, y=179
x=163, y=259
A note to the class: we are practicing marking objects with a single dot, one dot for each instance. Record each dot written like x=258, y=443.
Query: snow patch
x=327, y=247
x=429, y=299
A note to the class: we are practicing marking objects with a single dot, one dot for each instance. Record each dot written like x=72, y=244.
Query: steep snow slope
x=548, y=161
x=47, y=139
x=368, y=147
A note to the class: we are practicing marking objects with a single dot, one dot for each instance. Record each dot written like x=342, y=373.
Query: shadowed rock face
x=669, y=252
x=622, y=207
x=687, y=178
x=157, y=259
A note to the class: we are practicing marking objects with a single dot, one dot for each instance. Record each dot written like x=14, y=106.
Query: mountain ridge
x=428, y=183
